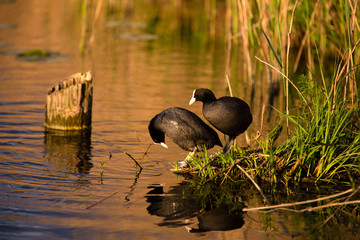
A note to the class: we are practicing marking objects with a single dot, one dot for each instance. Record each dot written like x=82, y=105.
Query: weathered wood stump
x=69, y=103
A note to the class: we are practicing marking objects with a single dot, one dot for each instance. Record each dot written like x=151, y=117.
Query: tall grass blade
x=272, y=48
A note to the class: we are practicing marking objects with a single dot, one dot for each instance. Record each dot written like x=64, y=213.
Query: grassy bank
x=324, y=145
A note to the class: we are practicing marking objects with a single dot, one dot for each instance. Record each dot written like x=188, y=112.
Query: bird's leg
x=184, y=163
x=227, y=146
x=248, y=140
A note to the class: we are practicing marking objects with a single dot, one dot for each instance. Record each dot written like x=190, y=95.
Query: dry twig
x=253, y=181
x=136, y=162
x=344, y=203
x=297, y=203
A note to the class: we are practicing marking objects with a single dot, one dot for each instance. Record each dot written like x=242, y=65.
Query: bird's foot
x=180, y=164
x=214, y=155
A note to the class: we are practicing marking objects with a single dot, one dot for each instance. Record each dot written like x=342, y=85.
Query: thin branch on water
x=137, y=176
x=309, y=209
x=253, y=181
x=141, y=145
x=344, y=203
x=146, y=152
x=298, y=203
x=100, y=201
x=132, y=186
x=136, y=162
x=126, y=197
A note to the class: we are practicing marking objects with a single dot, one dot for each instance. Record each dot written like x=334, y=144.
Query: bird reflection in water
x=178, y=210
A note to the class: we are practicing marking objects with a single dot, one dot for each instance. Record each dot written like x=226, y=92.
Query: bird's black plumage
x=185, y=129
x=230, y=115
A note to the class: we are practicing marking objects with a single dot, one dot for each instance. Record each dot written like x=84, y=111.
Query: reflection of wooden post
x=69, y=103
x=69, y=149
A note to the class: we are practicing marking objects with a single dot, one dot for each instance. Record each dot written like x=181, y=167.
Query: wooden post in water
x=69, y=103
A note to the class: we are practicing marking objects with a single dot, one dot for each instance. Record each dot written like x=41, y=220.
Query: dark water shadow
x=179, y=205
x=69, y=149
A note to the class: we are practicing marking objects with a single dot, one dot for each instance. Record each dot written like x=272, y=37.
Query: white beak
x=163, y=144
x=193, y=99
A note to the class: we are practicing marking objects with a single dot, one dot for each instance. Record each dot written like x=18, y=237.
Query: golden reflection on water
x=48, y=180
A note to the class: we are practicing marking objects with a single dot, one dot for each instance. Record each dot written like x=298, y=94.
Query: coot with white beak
x=185, y=128
x=230, y=115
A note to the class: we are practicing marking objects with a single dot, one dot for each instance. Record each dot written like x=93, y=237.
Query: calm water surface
x=51, y=184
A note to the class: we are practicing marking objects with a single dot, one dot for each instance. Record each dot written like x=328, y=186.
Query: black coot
x=230, y=115
x=185, y=128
